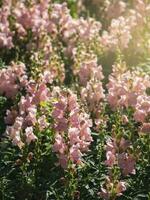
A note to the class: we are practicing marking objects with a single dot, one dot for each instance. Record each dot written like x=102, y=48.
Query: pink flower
x=41, y=94
x=47, y=77
x=59, y=145
x=126, y=163
x=110, y=146
x=111, y=159
x=63, y=160
x=124, y=144
x=119, y=34
x=124, y=89
x=140, y=115
x=5, y=32
x=18, y=123
x=58, y=113
x=85, y=133
x=73, y=134
x=31, y=116
x=74, y=118
x=115, y=9
x=14, y=132
x=61, y=125
x=42, y=123
x=30, y=135
x=75, y=154
x=17, y=141
x=104, y=194
x=10, y=116
x=121, y=187
x=145, y=128
x=72, y=102
x=9, y=78
x=113, y=100
x=85, y=71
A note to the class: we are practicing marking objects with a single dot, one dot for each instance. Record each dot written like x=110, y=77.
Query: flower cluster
x=21, y=121
x=129, y=89
x=119, y=34
x=142, y=111
x=92, y=94
x=34, y=17
x=5, y=32
x=115, y=9
x=72, y=128
x=116, y=153
x=12, y=79
x=124, y=88
x=115, y=188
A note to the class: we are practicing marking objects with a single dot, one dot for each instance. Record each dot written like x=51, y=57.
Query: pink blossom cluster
x=118, y=35
x=12, y=79
x=126, y=25
x=72, y=129
x=50, y=66
x=112, y=189
x=142, y=109
x=88, y=29
x=21, y=121
x=142, y=10
x=92, y=94
x=115, y=9
x=142, y=113
x=61, y=17
x=53, y=19
x=5, y=32
x=124, y=88
x=56, y=22
x=35, y=17
x=49, y=21
x=117, y=154
x=74, y=30
x=89, y=70
x=128, y=89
